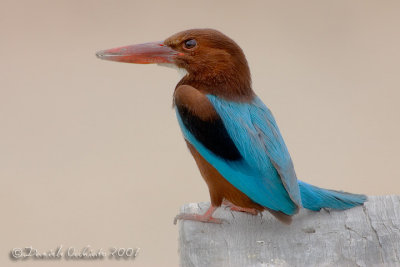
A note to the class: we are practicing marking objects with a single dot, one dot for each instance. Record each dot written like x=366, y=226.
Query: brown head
x=214, y=63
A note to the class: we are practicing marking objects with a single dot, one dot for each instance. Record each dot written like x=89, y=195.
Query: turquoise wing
x=265, y=171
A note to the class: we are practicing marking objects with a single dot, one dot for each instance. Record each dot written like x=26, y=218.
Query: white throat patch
x=182, y=72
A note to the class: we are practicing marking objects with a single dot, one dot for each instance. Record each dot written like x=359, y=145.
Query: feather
x=261, y=147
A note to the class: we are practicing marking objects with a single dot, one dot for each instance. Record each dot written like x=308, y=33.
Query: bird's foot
x=206, y=217
x=240, y=209
x=197, y=217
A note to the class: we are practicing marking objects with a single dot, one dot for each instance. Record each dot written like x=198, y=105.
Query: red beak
x=147, y=53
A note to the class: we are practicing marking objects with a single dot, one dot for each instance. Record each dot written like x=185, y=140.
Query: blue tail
x=315, y=198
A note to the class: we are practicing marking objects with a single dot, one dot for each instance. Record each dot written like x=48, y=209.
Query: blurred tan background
x=91, y=153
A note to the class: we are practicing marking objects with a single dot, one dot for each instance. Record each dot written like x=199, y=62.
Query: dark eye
x=189, y=44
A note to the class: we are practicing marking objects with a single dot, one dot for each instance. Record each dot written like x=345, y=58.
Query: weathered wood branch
x=362, y=236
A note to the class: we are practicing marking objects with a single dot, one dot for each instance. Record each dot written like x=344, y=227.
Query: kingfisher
x=231, y=134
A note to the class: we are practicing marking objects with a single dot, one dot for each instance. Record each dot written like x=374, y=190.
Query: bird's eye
x=191, y=43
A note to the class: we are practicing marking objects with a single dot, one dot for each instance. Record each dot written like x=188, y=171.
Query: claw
x=206, y=217
x=240, y=209
x=197, y=217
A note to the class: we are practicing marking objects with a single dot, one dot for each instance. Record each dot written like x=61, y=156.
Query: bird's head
x=214, y=63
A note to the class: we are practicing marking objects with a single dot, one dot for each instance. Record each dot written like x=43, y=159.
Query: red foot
x=206, y=217
x=241, y=209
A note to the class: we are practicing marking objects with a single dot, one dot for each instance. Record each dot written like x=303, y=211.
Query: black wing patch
x=211, y=134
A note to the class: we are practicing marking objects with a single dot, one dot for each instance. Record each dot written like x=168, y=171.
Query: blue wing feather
x=266, y=173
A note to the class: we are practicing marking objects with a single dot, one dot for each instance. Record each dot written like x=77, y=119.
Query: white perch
x=362, y=236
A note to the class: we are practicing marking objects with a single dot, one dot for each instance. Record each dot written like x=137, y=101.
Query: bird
x=231, y=134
